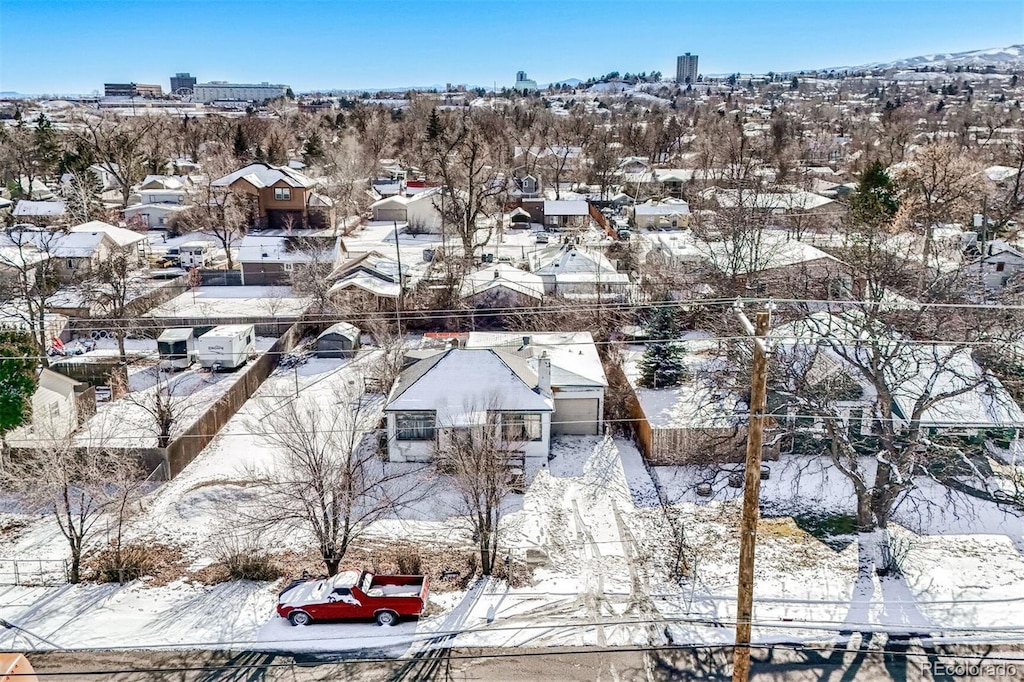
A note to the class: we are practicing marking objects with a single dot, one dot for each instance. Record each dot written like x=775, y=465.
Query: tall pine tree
x=18, y=378
x=662, y=364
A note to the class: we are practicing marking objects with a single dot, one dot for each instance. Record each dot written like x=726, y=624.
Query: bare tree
x=165, y=406
x=120, y=146
x=28, y=278
x=460, y=154
x=479, y=460
x=326, y=478
x=112, y=287
x=79, y=484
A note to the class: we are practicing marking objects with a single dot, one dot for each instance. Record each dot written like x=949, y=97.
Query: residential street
x=900, y=662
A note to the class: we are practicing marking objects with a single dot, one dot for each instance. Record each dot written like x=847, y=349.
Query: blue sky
x=69, y=46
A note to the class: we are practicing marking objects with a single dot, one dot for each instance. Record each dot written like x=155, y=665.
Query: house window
x=282, y=193
x=288, y=267
x=54, y=409
x=518, y=427
x=1000, y=267
x=415, y=425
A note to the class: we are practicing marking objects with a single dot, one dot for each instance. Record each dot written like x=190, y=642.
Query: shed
x=338, y=341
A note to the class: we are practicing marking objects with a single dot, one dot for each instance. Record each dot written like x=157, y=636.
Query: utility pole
x=401, y=290
x=751, y=494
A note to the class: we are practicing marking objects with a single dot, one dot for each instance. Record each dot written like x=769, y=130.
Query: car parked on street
x=354, y=595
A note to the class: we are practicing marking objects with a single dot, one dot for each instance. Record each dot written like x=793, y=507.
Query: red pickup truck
x=354, y=595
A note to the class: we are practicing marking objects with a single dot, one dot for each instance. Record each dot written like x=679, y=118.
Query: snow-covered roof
x=165, y=182
x=58, y=244
x=462, y=385
x=574, y=358
x=261, y=249
x=342, y=328
x=1001, y=173
x=566, y=208
x=264, y=175
x=913, y=370
x=368, y=283
x=401, y=200
x=799, y=200
x=118, y=235
x=145, y=208
x=665, y=208
x=557, y=260
x=773, y=249
x=502, y=274
x=39, y=208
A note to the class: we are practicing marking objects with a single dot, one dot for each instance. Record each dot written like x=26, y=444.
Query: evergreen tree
x=313, y=150
x=339, y=120
x=18, y=378
x=875, y=201
x=434, y=128
x=662, y=364
x=241, y=146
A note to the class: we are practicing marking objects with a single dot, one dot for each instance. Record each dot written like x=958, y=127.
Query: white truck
x=227, y=346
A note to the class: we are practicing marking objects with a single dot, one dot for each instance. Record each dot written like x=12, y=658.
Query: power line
x=534, y=653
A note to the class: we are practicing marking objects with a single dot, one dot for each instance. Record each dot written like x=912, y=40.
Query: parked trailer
x=193, y=254
x=176, y=347
x=227, y=346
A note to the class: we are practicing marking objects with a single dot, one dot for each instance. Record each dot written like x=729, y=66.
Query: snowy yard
x=591, y=529
x=214, y=302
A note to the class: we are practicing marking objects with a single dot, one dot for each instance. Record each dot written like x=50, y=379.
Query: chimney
x=526, y=342
x=544, y=375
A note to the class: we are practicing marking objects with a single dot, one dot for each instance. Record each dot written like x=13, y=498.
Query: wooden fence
x=184, y=448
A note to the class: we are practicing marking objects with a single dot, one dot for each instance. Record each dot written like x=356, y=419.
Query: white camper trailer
x=227, y=346
x=176, y=347
x=193, y=254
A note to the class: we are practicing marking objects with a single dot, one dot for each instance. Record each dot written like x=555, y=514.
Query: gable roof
x=118, y=235
x=503, y=275
x=462, y=385
x=261, y=175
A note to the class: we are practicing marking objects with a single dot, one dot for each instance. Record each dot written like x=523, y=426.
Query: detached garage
x=338, y=341
x=575, y=416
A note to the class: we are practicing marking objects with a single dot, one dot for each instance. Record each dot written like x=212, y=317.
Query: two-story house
x=280, y=197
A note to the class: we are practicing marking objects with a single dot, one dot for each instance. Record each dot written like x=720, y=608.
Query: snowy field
x=215, y=302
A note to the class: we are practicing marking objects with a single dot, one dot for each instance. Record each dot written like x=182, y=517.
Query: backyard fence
x=34, y=572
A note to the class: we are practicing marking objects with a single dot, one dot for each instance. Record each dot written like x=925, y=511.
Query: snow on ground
x=599, y=544
x=130, y=422
x=215, y=302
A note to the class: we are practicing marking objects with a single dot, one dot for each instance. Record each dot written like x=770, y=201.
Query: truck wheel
x=299, y=618
x=387, y=618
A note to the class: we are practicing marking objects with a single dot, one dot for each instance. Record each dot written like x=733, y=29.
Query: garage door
x=575, y=416
x=385, y=213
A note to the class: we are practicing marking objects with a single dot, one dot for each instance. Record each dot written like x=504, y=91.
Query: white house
x=572, y=213
x=1000, y=266
x=578, y=381
x=153, y=215
x=502, y=286
x=669, y=213
x=421, y=210
x=459, y=391
x=54, y=411
x=578, y=273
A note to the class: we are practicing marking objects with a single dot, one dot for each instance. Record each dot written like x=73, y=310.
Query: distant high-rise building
x=182, y=83
x=686, y=68
x=131, y=90
x=524, y=84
